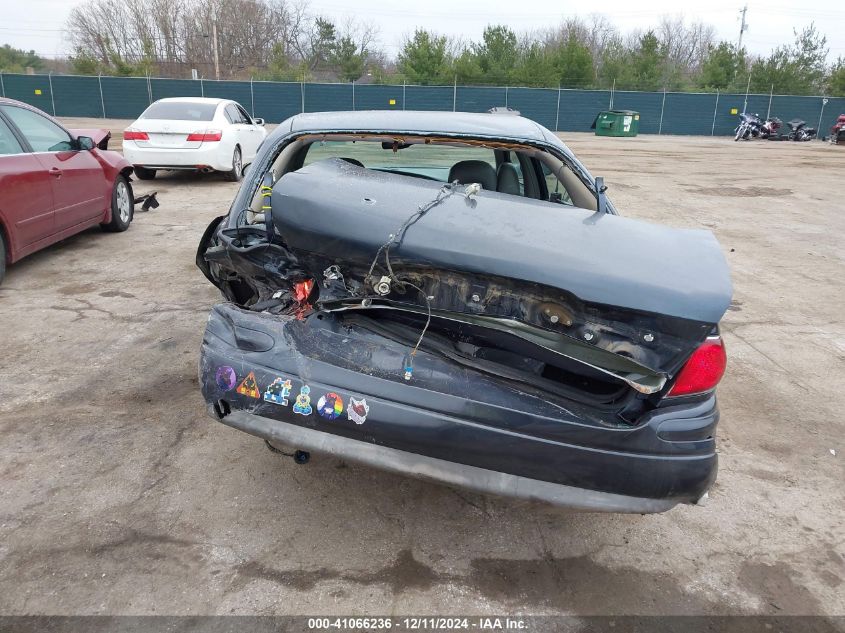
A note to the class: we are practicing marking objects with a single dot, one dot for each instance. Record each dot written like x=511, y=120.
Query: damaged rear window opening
x=497, y=262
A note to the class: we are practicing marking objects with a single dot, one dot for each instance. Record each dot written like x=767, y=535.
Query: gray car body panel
x=430, y=468
x=337, y=209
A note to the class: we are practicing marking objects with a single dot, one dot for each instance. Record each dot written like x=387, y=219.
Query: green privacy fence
x=557, y=109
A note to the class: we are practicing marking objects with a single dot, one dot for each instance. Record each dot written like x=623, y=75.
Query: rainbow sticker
x=330, y=406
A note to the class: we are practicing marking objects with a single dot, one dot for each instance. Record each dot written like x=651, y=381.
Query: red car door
x=77, y=180
x=26, y=196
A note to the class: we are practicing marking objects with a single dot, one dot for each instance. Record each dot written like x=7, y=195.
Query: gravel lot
x=119, y=495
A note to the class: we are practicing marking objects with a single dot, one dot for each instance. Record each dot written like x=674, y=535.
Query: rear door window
x=8, y=143
x=42, y=134
x=180, y=111
x=232, y=115
x=243, y=115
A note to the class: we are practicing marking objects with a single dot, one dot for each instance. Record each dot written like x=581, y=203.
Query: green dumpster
x=617, y=123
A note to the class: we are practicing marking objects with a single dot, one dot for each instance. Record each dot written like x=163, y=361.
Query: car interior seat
x=507, y=179
x=469, y=171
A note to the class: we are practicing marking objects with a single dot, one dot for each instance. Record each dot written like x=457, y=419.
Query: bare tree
x=174, y=35
x=685, y=46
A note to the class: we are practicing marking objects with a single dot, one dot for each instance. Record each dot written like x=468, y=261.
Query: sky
x=39, y=24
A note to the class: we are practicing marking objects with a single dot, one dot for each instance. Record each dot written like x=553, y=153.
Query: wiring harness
x=382, y=286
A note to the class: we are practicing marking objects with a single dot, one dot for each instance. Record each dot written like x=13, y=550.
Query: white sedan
x=193, y=133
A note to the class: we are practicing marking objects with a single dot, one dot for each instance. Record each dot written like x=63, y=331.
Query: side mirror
x=85, y=143
x=258, y=121
x=601, y=198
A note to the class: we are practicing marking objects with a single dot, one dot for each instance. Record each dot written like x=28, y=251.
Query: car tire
x=237, y=167
x=144, y=174
x=122, y=206
x=2, y=257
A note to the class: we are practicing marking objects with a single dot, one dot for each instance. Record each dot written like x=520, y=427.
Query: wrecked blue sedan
x=453, y=296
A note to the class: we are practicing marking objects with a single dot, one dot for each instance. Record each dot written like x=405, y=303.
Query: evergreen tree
x=424, y=60
x=723, y=68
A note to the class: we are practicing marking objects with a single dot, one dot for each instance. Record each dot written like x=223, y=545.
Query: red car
x=55, y=182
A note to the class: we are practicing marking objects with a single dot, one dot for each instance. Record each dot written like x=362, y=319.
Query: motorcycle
x=749, y=126
x=800, y=131
x=837, y=132
x=770, y=128
x=752, y=126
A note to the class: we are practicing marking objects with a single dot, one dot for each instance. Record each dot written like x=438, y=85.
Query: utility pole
x=217, y=56
x=742, y=28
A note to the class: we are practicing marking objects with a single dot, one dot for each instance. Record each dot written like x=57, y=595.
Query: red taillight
x=205, y=136
x=704, y=369
x=302, y=290
x=135, y=135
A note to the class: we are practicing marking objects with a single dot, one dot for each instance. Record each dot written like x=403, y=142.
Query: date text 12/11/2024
x=428, y=623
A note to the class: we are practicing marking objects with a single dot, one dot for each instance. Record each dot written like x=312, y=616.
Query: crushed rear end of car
x=470, y=337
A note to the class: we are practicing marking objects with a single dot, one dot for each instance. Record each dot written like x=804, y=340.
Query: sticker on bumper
x=225, y=378
x=330, y=406
x=357, y=410
x=277, y=392
x=248, y=387
x=302, y=406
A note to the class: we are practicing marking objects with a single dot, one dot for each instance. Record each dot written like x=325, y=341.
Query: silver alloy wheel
x=124, y=204
x=236, y=163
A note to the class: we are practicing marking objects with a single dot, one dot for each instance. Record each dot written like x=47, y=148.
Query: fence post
x=821, y=114
x=769, y=111
x=612, y=90
x=455, y=95
x=251, y=98
x=506, y=96
x=102, y=100
x=52, y=98
x=662, y=107
x=149, y=88
x=715, y=110
x=353, y=95
x=747, y=88
x=403, y=94
x=2, y=85
x=302, y=96
x=202, y=89
x=557, y=111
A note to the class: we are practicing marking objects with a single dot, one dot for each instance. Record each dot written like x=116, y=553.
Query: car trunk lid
x=578, y=293
x=163, y=134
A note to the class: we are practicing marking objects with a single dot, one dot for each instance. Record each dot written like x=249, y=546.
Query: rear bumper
x=212, y=155
x=431, y=468
x=450, y=423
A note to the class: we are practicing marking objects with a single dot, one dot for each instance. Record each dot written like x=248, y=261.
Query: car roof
x=469, y=123
x=27, y=106
x=8, y=101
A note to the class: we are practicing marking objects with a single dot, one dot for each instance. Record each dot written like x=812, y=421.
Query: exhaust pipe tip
x=221, y=408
